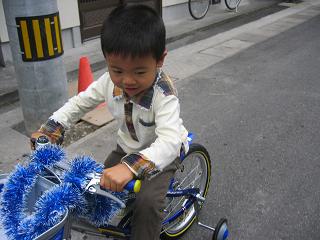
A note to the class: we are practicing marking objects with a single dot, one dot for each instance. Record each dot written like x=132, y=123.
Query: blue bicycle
x=185, y=197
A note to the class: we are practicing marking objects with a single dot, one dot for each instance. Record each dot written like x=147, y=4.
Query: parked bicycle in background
x=199, y=8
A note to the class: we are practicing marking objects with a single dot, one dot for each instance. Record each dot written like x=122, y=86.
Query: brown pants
x=150, y=201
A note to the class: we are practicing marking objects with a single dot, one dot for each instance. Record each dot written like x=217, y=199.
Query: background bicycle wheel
x=198, y=8
x=232, y=4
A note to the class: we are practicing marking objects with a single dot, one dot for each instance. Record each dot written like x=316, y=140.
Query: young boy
x=143, y=101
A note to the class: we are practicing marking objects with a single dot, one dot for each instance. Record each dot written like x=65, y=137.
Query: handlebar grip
x=41, y=141
x=133, y=186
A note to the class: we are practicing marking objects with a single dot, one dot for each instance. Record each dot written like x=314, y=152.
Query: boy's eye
x=140, y=72
x=116, y=71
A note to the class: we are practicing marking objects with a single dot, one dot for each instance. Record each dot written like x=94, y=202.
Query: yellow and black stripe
x=40, y=37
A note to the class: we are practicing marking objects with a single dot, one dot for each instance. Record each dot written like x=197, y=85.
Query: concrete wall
x=166, y=3
x=174, y=9
x=3, y=27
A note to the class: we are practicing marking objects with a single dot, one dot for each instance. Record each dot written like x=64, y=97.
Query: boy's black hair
x=133, y=31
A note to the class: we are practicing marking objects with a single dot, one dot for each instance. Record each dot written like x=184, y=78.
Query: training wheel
x=221, y=231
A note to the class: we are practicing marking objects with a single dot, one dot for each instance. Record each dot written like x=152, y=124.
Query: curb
x=9, y=97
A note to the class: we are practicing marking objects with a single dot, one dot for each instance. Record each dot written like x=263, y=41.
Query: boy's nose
x=128, y=80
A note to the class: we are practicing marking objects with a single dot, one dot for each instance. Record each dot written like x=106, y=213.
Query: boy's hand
x=35, y=136
x=53, y=130
x=115, y=178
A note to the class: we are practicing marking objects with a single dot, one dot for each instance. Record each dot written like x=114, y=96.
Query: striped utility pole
x=36, y=45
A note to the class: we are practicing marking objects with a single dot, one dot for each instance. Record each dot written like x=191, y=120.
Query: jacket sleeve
x=169, y=137
x=82, y=103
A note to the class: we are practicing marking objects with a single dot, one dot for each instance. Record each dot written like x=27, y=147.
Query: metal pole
x=35, y=40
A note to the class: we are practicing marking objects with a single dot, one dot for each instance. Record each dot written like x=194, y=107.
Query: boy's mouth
x=130, y=90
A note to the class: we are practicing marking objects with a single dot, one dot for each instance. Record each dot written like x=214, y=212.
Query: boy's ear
x=161, y=61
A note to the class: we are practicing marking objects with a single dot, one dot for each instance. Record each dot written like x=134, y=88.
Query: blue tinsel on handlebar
x=52, y=205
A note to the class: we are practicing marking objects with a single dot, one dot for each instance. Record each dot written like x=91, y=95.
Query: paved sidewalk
x=180, y=63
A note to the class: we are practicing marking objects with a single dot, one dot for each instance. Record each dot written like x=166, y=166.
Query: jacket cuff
x=54, y=130
x=140, y=165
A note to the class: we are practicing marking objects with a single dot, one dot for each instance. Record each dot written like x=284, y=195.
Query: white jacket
x=156, y=120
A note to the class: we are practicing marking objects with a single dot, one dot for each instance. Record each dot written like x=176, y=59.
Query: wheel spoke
x=171, y=209
x=188, y=175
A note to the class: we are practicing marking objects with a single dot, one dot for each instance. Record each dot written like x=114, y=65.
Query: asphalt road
x=258, y=114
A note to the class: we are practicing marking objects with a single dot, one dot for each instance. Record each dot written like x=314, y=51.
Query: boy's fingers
x=123, y=185
x=102, y=181
x=33, y=143
x=119, y=188
x=107, y=185
x=113, y=187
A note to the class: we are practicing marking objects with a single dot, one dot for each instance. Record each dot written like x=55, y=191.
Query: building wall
x=70, y=23
x=69, y=14
x=174, y=9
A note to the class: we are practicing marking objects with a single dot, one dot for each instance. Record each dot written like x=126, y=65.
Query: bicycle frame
x=123, y=228
x=191, y=201
x=191, y=193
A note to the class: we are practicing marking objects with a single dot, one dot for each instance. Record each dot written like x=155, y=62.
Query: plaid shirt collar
x=143, y=99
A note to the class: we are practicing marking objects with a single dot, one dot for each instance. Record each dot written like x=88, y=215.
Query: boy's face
x=133, y=75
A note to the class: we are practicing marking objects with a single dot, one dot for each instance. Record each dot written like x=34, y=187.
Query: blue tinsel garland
x=51, y=206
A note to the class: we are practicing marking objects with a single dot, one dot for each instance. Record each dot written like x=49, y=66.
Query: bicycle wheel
x=232, y=4
x=195, y=173
x=198, y=8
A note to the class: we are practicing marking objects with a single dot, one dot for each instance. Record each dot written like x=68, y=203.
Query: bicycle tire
x=198, y=8
x=232, y=4
x=198, y=156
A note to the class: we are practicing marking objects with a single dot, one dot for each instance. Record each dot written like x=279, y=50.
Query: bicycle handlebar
x=95, y=188
x=132, y=186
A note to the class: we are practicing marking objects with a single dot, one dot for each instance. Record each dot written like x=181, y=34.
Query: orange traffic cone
x=85, y=77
